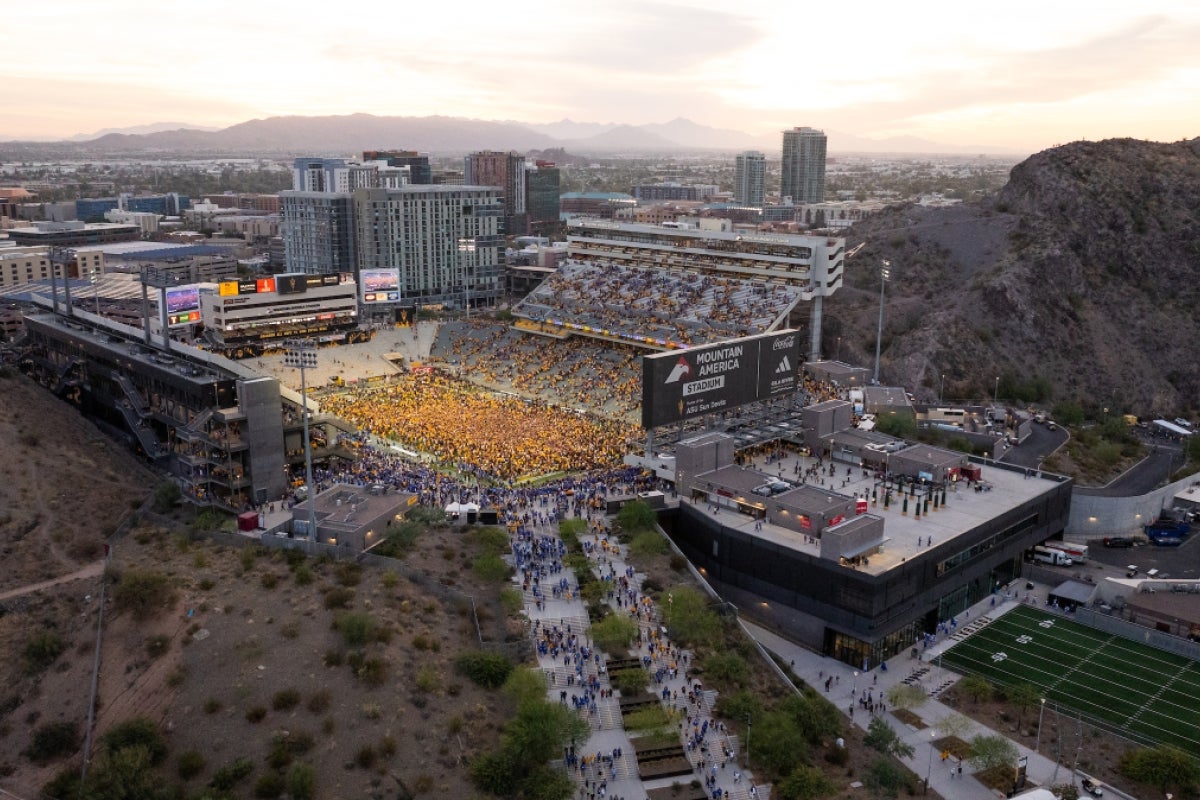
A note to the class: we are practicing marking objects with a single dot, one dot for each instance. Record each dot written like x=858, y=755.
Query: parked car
x=1092, y=788
x=1118, y=541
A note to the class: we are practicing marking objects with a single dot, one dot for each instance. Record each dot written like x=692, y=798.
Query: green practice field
x=1146, y=694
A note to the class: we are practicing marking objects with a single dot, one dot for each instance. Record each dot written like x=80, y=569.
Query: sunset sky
x=1021, y=75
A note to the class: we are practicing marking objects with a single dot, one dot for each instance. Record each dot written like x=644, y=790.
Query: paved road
x=1143, y=477
x=1040, y=443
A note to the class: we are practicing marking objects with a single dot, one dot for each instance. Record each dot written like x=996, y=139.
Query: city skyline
x=1026, y=77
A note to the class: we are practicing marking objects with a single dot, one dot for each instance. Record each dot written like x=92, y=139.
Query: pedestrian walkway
x=605, y=766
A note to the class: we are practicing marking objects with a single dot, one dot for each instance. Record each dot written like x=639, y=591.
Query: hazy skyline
x=1018, y=75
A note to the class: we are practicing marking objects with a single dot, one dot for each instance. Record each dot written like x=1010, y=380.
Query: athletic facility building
x=858, y=556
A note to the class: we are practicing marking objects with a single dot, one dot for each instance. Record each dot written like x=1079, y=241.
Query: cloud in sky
x=1025, y=74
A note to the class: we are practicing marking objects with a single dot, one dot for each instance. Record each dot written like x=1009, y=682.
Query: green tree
x=688, y=617
x=489, y=670
x=614, y=633
x=539, y=732
x=525, y=685
x=814, y=716
x=1163, y=766
x=738, y=705
x=1024, y=696
x=649, y=543
x=137, y=732
x=143, y=593
x=992, y=751
x=906, y=696
x=976, y=687
x=491, y=567
x=955, y=725
x=901, y=425
x=777, y=741
x=636, y=516
x=885, y=778
x=883, y=737
x=726, y=669
x=805, y=783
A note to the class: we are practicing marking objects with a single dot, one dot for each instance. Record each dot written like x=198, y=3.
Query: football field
x=1146, y=694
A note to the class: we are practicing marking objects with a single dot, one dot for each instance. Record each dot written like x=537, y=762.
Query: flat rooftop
x=344, y=509
x=906, y=535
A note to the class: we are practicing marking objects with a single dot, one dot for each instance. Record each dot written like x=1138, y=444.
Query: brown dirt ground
x=64, y=486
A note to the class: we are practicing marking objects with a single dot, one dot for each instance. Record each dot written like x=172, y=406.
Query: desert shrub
x=285, y=699
x=256, y=714
x=334, y=658
x=366, y=756
x=157, y=646
x=52, y=740
x=303, y=575
x=348, y=574
x=390, y=580
x=301, y=781
x=429, y=680
x=614, y=633
x=358, y=628
x=426, y=641
x=232, y=774
x=489, y=670
x=269, y=580
x=143, y=593
x=190, y=764
x=137, y=732
x=269, y=785
x=212, y=705
x=42, y=650
x=319, y=701
x=490, y=539
x=373, y=671
x=338, y=597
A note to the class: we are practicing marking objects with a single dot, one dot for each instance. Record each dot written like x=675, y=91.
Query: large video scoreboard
x=681, y=384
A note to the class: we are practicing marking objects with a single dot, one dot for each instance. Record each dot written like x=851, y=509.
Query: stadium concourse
x=647, y=306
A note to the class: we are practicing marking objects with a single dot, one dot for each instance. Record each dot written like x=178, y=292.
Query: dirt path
x=92, y=570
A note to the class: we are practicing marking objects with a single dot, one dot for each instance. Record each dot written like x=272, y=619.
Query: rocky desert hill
x=1079, y=280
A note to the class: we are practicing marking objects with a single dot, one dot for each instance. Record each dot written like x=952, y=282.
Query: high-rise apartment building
x=804, y=165
x=318, y=231
x=320, y=175
x=750, y=167
x=445, y=242
x=507, y=171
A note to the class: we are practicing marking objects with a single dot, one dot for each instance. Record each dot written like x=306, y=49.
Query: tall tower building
x=804, y=165
x=542, y=187
x=321, y=175
x=444, y=241
x=748, y=178
x=506, y=170
x=318, y=231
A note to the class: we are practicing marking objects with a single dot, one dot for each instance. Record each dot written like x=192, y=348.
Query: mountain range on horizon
x=450, y=135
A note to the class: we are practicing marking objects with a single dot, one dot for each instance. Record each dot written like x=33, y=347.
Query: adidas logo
x=784, y=366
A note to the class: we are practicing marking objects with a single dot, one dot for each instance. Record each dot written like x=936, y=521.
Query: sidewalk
x=572, y=676
x=925, y=762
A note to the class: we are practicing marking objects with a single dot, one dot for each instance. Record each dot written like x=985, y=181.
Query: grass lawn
x=1146, y=694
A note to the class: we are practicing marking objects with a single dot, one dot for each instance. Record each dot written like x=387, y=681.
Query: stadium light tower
x=885, y=272
x=302, y=353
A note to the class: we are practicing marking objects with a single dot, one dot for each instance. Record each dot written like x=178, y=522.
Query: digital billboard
x=292, y=284
x=183, y=298
x=380, y=285
x=682, y=384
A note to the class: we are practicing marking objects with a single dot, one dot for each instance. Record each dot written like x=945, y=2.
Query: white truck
x=1077, y=552
x=1048, y=555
